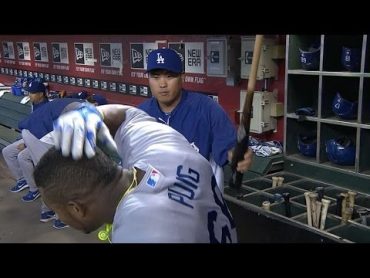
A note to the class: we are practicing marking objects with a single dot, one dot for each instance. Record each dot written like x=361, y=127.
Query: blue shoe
x=20, y=185
x=59, y=224
x=47, y=216
x=31, y=196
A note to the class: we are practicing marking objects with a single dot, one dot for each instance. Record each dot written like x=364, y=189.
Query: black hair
x=66, y=179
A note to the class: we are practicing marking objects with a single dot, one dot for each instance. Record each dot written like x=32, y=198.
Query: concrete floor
x=19, y=221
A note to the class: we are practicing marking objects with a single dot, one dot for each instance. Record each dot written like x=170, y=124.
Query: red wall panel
x=228, y=95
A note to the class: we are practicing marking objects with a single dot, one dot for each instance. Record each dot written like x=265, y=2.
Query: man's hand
x=245, y=164
x=78, y=131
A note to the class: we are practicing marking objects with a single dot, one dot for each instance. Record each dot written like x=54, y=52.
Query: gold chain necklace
x=104, y=234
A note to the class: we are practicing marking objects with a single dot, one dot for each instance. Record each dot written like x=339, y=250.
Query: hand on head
x=77, y=132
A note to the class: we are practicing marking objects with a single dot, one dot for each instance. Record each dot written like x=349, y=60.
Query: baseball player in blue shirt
x=201, y=120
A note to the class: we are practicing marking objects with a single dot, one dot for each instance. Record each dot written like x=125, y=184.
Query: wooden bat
x=280, y=181
x=242, y=145
x=308, y=206
x=266, y=205
x=344, y=203
x=320, y=192
x=339, y=199
x=324, y=212
x=318, y=213
x=351, y=200
x=363, y=213
x=313, y=198
x=288, y=212
x=275, y=181
x=351, y=196
x=346, y=215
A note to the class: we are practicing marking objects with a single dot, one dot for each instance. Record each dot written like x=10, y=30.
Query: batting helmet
x=341, y=151
x=344, y=108
x=310, y=59
x=351, y=58
x=307, y=144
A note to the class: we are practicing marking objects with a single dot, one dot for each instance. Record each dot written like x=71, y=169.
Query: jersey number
x=212, y=217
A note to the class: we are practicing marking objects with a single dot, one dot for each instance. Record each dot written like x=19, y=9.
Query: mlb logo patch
x=153, y=178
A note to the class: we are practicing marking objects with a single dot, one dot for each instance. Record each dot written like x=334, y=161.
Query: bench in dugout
x=12, y=110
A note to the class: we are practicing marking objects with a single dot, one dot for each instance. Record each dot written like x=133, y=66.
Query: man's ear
x=76, y=209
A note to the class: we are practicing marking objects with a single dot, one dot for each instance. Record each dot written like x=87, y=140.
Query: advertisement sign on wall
x=194, y=57
x=60, y=52
x=8, y=50
x=139, y=54
x=111, y=55
x=41, y=51
x=23, y=49
x=84, y=54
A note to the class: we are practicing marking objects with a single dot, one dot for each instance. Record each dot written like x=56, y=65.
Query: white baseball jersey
x=178, y=199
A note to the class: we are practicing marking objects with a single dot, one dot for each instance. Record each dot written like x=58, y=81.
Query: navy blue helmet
x=307, y=145
x=343, y=108
x=351, y=58
x=341, y=151
x=310, y=58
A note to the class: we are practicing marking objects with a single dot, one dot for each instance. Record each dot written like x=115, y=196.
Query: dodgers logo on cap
x=36, y=87
x=164, y=59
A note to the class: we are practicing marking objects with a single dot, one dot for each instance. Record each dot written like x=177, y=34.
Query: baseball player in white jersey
x=176, y=198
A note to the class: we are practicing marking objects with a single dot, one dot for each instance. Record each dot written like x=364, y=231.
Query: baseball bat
x=339, y=199
x=266, y=205
x=313, y=197
x=320, y=192
x=275, y=181
x=351, y=198
x=280, y=181
x=286, y=196
x=324, y=212
x=318, y=212
x=344, y=202
x=242, y=145
x=346, y=215
x=363, y=213
x=308, y=206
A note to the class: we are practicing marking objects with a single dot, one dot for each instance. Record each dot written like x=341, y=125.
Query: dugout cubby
x=330, y=222
x=280, y=209
x=259, y=185
x=315, y=86
x=284, y=189
x=238, y=193
x=317, y=89
x=353, y=232
x=268, y=225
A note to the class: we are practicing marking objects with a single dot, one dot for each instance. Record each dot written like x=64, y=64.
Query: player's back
x=177, y=198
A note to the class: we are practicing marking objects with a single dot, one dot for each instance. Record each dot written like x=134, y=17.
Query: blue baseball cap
x=35, y=87
x=164, y=59
x=100, y=100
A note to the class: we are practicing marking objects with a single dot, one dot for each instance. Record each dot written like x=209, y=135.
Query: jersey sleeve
x=223, y=134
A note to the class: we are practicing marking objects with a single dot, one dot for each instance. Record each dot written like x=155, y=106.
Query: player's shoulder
x=146, y=104
x=201, y=99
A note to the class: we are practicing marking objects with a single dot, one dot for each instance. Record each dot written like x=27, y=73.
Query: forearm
x=113, y=116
